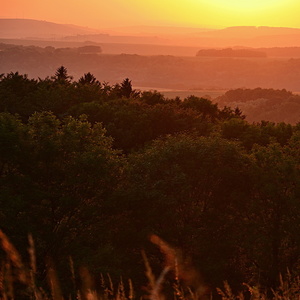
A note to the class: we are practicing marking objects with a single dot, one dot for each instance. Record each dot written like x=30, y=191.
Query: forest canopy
x=92, y=169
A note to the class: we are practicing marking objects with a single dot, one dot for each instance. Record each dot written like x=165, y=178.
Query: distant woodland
x=158, y=71
x=264, y=104
x=92, y=169
x=229, y=52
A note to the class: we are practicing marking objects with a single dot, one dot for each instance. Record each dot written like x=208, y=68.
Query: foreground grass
x=18, y=281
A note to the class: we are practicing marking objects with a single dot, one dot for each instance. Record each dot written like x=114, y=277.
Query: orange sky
x=197, y=13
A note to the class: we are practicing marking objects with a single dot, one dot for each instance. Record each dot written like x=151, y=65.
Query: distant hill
x=229, y=52
x=264, y=104
x=239, y=36
x=35, y=29
x=247, y=36
x=25, y=28
x=165, y=31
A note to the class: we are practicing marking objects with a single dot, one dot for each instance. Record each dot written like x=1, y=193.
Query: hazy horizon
x=136, y=33
x=191, y=13
x=145, y=26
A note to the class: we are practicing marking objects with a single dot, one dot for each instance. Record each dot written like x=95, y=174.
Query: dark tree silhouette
x=88, y=79
x=61, y=76
x=125, y=89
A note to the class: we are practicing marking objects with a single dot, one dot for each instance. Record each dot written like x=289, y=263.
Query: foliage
x=57, y=177
x=92, y=170
x=61, y=76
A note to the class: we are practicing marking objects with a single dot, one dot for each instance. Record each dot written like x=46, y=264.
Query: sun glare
x=241, y=5
x=202, y=13
x=246, y=5
x=226, y=13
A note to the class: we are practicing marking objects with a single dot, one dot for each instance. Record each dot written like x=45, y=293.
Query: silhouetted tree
x=239, y=113
x=54, y=177
x=125, y=89
x=88, y=79
x=152, y=97
x=188, y=189
x=61, y=76
x=204, y=107
x=16, y=92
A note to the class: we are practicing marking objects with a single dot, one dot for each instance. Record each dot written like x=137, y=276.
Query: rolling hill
x=25, y=28
x=245, y=36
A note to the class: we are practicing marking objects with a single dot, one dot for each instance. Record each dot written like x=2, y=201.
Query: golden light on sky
x=200, y=13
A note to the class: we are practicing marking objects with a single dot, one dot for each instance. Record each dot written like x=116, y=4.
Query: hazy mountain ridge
x=249, y=36
x=227, y=37
x=106, y=38
x=24, y=28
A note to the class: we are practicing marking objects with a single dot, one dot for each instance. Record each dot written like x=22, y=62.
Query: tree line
x=91, y=170
x=229, y=52
x=166, y=71
x=259, y=103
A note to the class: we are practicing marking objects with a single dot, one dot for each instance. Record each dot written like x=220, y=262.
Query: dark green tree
x=55, y=178
x=273, y=214
x=61, y=76
x=206, y=109
x=126, y=90
x=16, y=92
x=188, y=190
x=152, y=97
x=88, y=79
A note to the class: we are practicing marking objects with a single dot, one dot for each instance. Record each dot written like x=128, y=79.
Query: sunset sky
x=196, y=13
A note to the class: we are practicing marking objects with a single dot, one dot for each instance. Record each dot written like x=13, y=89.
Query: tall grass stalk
x=14, y=271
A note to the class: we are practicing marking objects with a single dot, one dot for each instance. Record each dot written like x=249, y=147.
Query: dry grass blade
x=53, y=282
x=2, y=278
x=121, y=291
x=13, y=256
x=9, y=290
x=71, y=264
x=169, y=253
x=149, y=273
x=87, y=284
x=155, y=293
x=31, y=251
x=227, y=294
x=255, y=292
x=182, y=269
x=32, y=257
x=131, y=291
x=111, y=285
x=91, y=295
